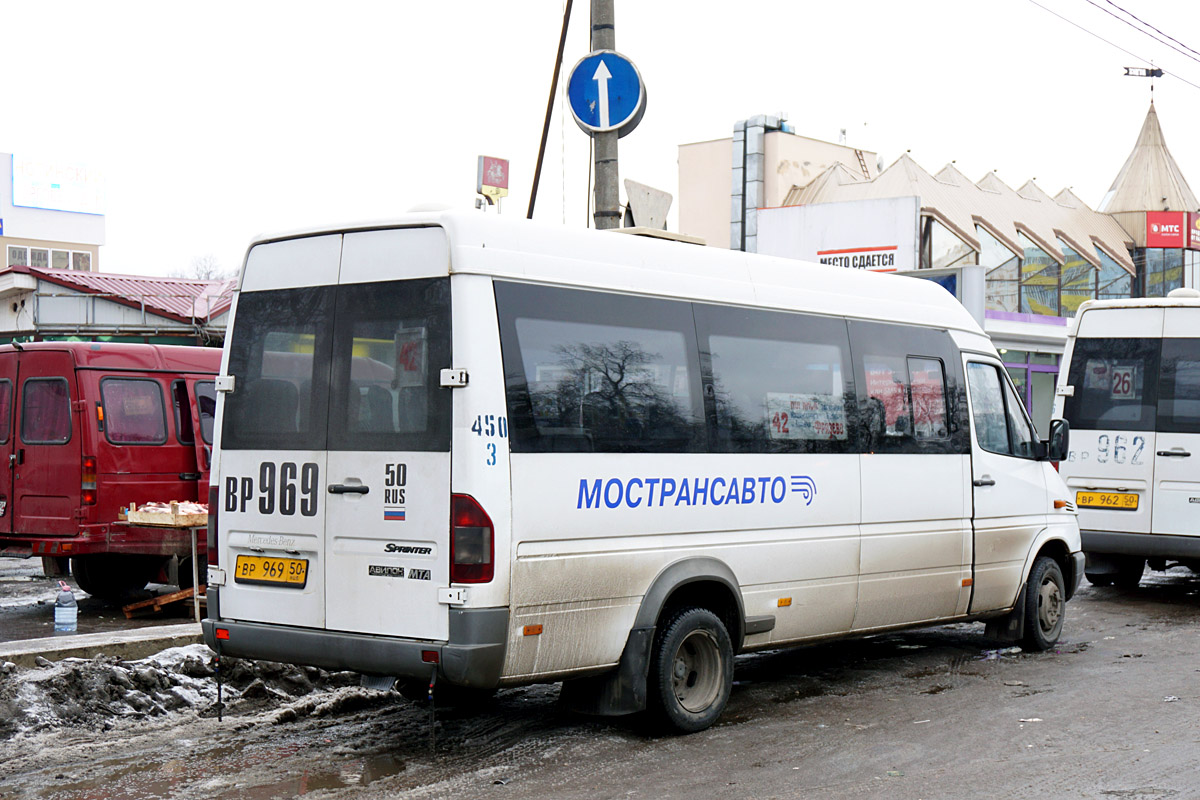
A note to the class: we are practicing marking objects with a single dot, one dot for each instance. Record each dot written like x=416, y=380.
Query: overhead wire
x=1184, y=53
x=1111, y=44
x=1148, y=25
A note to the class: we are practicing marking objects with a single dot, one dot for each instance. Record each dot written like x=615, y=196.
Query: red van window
x=5, y=410
x=183, y=413
x=46, y=411
x=133, y=411
x=206, y=401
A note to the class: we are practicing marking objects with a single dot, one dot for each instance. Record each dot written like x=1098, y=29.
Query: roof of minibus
x=489, y=244
x=129, y=355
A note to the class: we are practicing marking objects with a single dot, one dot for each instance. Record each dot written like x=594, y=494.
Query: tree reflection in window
x=612, y=393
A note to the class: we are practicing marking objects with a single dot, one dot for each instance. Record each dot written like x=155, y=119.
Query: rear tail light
x=471, y=541
x=88, y=481
x=214, y=498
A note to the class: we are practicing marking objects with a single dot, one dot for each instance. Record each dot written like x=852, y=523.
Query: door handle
x=189, y=476
x=984, y=482
x=1175, y=453
x=343, y=488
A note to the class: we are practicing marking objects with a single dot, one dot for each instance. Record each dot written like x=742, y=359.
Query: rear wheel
x=1045, y=604
x=113, y=577
x=691, y=670
x=1129, y=572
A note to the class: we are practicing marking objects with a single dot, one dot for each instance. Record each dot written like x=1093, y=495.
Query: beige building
x=1020, y=259
x=722, y=183
x=51, y=214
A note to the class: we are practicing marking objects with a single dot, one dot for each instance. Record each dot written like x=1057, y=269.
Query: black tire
x=1129, y=572
x=691, y=671
x=1099, y=578
x=1045, y=605
x=113, y=577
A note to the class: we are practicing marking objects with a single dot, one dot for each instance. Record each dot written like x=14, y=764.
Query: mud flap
x=621, y=691
x=1010, y=627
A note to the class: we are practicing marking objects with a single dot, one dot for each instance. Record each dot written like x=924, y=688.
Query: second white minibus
x=1131, y=392
x=484, y=453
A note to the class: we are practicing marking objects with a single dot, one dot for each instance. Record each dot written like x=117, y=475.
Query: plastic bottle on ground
x=66, y=611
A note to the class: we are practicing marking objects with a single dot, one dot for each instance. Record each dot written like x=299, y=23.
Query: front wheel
x=1045, y=604
x=691, y=670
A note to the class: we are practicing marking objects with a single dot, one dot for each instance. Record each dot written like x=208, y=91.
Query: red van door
x=8, y=379
x=193, y=431
x=47, y=443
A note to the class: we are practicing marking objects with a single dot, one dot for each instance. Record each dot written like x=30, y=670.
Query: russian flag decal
x=393, y=515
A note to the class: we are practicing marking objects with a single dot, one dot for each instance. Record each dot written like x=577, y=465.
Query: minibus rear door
x=47, y=466
x=387, y=523
x=1176, y=506
x=8, y=380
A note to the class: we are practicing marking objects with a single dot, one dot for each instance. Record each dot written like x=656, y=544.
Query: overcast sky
x=214, y=122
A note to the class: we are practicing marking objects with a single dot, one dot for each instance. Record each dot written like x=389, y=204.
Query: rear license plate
x=1120, y=501
x=291, y=572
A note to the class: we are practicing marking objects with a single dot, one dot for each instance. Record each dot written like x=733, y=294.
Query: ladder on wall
x=862, y=164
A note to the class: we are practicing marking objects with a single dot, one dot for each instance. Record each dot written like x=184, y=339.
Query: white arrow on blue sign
x=606, y=93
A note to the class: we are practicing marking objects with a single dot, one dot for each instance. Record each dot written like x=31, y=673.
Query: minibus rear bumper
x=473, y=656
x=1146, y=545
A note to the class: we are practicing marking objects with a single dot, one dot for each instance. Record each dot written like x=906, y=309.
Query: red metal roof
x=179, y=298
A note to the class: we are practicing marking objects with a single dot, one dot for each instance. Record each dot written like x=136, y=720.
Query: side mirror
x=1059, y=440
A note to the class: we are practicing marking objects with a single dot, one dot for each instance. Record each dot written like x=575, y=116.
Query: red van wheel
x=112, y=577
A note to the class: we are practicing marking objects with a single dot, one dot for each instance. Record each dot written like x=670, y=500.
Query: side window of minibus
x=1001, y=425
x=599, y=371
x=778, y=382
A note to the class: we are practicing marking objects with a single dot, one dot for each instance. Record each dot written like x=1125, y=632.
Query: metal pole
x=608, y=214
x=537, y=172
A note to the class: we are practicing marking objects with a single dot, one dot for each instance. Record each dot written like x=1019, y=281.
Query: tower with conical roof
x=1152, y=201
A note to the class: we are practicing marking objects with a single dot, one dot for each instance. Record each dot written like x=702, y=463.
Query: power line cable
x=1184, y=53
x=1111, y=44
x=1148, y=25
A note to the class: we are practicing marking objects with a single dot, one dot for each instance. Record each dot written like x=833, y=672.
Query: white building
x=51, y=214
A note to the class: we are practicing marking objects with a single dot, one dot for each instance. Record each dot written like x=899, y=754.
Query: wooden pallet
x=156, y=605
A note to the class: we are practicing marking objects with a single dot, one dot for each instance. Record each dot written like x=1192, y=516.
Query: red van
x=86, y=428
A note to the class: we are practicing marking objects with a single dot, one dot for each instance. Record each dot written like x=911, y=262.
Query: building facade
x=1021, y=260
x=51, y=214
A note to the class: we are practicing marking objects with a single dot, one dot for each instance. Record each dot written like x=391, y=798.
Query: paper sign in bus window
x=887, y=386
x=410, y=358
x=805, y=416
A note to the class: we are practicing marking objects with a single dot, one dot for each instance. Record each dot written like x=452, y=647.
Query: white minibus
x=483, y=453
x=1130, y=389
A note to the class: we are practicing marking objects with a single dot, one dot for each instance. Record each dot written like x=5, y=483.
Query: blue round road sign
x=606, y=93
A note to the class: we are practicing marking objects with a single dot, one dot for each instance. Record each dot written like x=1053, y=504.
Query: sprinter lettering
x=278, y=487
x=692, y=491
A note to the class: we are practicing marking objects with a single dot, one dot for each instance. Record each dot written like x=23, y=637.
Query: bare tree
x=203, y=268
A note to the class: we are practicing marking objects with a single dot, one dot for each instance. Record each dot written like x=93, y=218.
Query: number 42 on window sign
x=805, y=416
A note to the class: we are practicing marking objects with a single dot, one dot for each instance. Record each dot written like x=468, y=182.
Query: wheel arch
x=702, y=582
